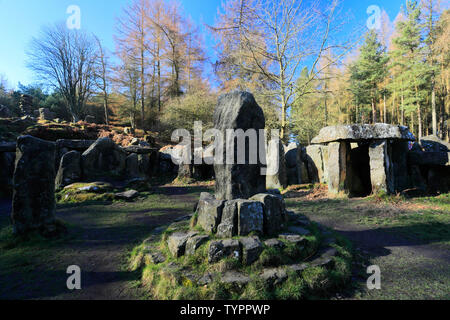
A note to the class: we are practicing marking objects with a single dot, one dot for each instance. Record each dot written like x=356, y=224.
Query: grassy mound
x=187, y=277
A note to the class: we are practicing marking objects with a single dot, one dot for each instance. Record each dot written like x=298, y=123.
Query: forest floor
x=408, y=239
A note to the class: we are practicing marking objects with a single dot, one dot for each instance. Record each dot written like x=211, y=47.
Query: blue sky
x=20, y=20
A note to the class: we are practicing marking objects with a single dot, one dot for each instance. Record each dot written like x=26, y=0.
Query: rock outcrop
x=34, y=186
x=103, y=159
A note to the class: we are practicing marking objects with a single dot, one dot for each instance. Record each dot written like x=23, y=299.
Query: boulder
x=276, y=166
x=359, y=132
x=154, y=257
x=132, y=166
x=338, y=167
x=220, y=249
x=274, y=216
x=177, y=242
x=324, y=258
x=251, y=249
x=194, y=243
x=381, y=169
x=209, y=212
x=69, y=169
x=294, y=238
x=234, y=111
x=294, y=163
x=274, y=276
x=235, y=279
x=127, y=195
x=33, y=205
x=103, y=159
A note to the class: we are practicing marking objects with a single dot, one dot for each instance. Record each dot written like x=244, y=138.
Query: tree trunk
x=402, y=117
x=384, y=109
x=105, y=105
x=374, y=112
x=419, y=121
x=433, y=111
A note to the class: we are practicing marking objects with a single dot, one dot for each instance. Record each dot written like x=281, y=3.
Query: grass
x=425, y=218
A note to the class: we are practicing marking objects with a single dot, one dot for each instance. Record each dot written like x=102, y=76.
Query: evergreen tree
x=409, y=57
x=368, y=72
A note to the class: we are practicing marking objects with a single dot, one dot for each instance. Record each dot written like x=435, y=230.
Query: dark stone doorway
x=360, y=184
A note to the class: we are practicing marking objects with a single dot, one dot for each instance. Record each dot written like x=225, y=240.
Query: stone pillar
x=238, y=112
x=33, y=206
x=276, y=162
x=338, y=160
x=381, y=169
x=317, y=159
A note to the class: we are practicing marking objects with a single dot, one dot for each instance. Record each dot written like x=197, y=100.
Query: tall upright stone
x=338, y=169
x=33, y=205
x=276, y=165
x=381, y=168
x=239, y=110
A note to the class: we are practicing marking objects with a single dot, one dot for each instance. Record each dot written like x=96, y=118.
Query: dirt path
x=410, y=268
x=100, y=236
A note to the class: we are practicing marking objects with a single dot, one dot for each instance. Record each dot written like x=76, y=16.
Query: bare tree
x=65, y=60
x=102, y=70
x=133, y=40
x=275, y=39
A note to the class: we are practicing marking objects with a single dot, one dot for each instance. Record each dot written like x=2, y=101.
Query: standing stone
x=239, y=110
x=276, y=164
x=381, y=167
x=317, y=159
x=209, y=212
x=69, y=169
x=228, y=226
x=241, y=217
x=33, y=205
x=250, y=217
x=251, y=249
x=103, y=159
x=294, y=163
x=338, y=153
x=274, y=217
